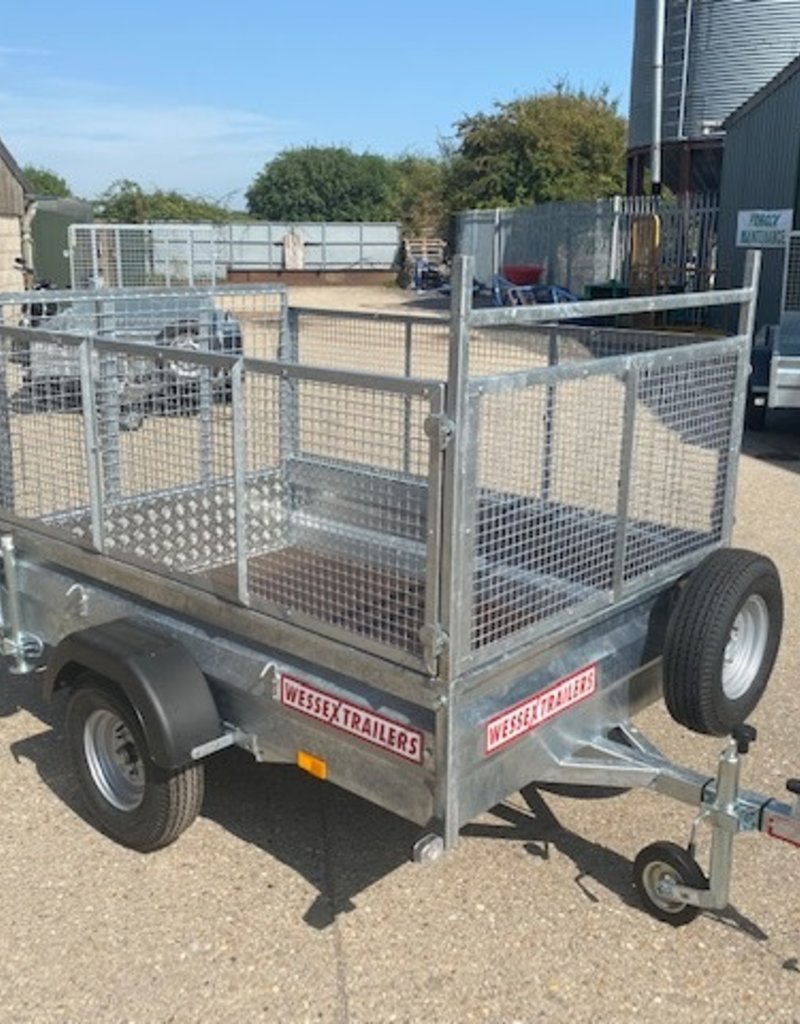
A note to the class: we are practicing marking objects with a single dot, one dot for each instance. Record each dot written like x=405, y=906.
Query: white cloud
x=24, y=51
x=91, y=138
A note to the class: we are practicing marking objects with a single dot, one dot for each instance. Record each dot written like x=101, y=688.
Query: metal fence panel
x=582, y=243
x=174, y=255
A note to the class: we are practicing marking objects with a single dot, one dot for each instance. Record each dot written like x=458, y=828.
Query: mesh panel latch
x=434, y=643
x=440, y=429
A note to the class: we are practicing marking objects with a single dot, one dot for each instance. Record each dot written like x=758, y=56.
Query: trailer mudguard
x=157, y=674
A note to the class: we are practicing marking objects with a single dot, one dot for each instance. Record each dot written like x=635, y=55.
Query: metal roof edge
x=13, y=166
x=758, y=97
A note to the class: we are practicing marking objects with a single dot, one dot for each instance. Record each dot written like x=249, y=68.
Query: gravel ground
x=292, y=901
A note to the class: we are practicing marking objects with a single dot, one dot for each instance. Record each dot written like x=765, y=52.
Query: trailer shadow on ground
x=539, y=828
x=336, y=841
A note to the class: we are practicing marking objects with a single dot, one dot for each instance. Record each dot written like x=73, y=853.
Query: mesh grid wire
x=221, y=319
x=345, y=505
x=414, y=347
x=506, y=349
x=44, y=463
x=417, y=347
x=548, y=465
x=791, y=301
x=680, y=460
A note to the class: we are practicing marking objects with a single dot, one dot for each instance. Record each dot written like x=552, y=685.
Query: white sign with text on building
x=763, y=229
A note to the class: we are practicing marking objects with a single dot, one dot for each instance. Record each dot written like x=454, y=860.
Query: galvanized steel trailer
x=434, y=562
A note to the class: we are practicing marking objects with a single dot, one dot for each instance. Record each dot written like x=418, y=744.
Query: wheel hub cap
x=744, y=652
x=113, y=760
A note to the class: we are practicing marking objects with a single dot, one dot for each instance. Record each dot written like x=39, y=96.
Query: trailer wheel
x=721, y=641
x=662, y=863
x=131, y=799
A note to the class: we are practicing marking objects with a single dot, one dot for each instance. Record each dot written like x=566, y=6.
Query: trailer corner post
x=96, y=465
x=728, y=473
x=240, y=480
x=454, y=563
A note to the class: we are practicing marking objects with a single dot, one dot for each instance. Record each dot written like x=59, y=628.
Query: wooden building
x=13, y=222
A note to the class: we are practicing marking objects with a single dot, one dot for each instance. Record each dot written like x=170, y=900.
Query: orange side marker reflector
x=315, y=766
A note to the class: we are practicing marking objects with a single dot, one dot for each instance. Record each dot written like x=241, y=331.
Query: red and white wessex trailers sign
x=533, y=711
x=353, y=719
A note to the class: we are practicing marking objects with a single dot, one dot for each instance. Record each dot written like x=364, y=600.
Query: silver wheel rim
x=744, y=652
x=656, y=877
x=113, y=760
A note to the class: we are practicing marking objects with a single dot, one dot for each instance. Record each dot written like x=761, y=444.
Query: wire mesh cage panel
x=512, y=347
x=43, y=454
x=299, y=492
x=680, y=460
x=590, y=483
x=546, y=497
x=342, y=470
x=381, y=480
x=403, y=346
x=230, y=319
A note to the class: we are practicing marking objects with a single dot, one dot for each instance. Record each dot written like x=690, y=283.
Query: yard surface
x=290, y=900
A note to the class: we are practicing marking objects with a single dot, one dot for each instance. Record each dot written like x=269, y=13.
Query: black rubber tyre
x=657, y=863
x=131, y=799
x=721, y=641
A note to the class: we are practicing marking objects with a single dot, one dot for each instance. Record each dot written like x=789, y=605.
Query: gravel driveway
x=290, y=900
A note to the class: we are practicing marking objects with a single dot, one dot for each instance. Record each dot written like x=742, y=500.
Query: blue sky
x=197, y=97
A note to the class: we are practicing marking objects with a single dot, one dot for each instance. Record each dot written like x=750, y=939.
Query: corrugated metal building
x=716, y=54
x=13, y=190
x=761, y=171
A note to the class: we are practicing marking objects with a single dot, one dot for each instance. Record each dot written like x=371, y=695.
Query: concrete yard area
x=290, y=900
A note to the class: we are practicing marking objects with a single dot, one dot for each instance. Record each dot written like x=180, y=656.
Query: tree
x=418, y=199
x=126, y=202
x=323, y=183
x=562, y=144
x=44, y=182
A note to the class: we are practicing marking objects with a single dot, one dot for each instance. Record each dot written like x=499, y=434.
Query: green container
x=607, y=290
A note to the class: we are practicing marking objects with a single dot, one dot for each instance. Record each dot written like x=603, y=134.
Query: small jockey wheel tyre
x=656, y=869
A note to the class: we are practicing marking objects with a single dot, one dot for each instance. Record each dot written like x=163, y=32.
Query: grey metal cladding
x=735, y=47
x=760, y=171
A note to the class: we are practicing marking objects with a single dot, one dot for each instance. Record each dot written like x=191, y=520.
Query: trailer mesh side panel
x=403, y=347
x=45, y=465
x=548, y=465
x=679, y=474
x=347, y=510
x=583, y=494
x=509, y=348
